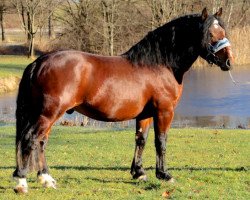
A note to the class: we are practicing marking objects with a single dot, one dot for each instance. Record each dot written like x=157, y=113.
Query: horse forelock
x=206, y=39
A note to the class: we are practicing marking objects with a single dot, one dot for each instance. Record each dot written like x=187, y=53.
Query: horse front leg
x=142, y=128
x=162, y=122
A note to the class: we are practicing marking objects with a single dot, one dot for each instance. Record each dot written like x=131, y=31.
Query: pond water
x=210, y=99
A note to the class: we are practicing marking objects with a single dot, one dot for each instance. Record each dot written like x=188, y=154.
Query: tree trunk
x=109, y=25
x=31, y=35
x=50, y=27
x=111, y=30
x=31, y=47
x=28, y=27
x=2, y=26
x=23, y=17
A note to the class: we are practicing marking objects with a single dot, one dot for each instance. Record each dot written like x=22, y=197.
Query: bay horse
x=145, y=83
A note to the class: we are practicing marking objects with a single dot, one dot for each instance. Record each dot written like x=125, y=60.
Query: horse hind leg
x=142, y=128
x=24, y=149
x=43, y=175
x=30, y=153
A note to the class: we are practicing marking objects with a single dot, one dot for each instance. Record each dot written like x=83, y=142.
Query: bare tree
x=90, y=25
x=3, y=9
x=162, y=11
x=243, y=12
x=77, y=19
x=34, y=15
x=100, y=26
x=115, y=17
x=109, y=11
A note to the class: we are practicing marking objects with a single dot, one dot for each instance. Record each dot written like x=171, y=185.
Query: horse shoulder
x=167, y=90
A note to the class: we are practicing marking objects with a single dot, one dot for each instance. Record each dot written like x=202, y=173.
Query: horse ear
x=218, y=13
x=204, y=14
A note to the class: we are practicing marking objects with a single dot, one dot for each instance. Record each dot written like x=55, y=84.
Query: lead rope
x=235, y=83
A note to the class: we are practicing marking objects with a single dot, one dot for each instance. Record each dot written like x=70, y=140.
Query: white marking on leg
x=47, y=181
x=171, y=180
x=143, y=178
x=22, y=186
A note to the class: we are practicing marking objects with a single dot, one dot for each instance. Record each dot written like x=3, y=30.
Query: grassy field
x=94, y=164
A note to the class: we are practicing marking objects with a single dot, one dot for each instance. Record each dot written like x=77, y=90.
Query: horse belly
x=108, y=113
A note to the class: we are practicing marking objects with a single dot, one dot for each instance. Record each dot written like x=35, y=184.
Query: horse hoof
x=47, y=181
x=21, y=190
x=143, y=178
x=50, y=185
x=22, y=186
x=164, y=176
x=172, y=180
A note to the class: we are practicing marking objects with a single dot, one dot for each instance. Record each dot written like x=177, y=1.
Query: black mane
x=175, y=44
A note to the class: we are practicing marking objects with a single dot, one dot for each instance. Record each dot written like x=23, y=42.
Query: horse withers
x=145, y=83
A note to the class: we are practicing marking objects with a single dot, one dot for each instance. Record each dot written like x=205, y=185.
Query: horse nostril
x=228, y=63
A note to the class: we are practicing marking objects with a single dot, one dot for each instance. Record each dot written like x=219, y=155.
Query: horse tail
x=25, y=119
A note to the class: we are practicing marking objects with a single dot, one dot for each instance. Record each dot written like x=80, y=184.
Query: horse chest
x=167, y=91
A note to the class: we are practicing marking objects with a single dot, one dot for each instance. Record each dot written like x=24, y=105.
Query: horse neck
x=186, y=59
x=174, y=45
x=184, y=48
x=181, y=69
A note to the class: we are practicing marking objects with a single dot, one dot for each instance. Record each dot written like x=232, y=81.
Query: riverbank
x=8, y=84
x=11, y=69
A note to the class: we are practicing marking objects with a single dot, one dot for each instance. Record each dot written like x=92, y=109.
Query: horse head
x=216, y=48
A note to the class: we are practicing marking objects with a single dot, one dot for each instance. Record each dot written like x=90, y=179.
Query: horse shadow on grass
x=123, y=168
x=145, y=185
x=149, y=185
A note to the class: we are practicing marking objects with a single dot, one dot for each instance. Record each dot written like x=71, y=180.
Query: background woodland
x=108, y=27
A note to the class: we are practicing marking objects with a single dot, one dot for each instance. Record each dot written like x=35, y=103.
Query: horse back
x=102, y=87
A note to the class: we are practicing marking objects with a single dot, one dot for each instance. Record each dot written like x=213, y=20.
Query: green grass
x=94, y=164
x=13, y=65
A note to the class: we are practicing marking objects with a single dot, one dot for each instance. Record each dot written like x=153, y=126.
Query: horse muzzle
x=226, y=65
x=215, y=54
